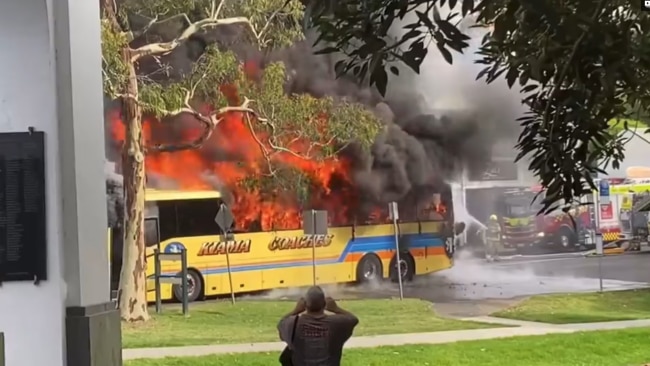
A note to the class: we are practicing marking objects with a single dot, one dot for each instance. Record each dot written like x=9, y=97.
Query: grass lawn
x=605, y=348
x=255, y=321
x=582, y=307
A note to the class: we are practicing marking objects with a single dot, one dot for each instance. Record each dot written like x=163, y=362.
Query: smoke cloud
x=437, y=123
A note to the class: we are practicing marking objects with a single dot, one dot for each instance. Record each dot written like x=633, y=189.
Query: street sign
x=606, y=211
x=393, y=212
x=224, y=218
x=314, y=222
x=603, y=192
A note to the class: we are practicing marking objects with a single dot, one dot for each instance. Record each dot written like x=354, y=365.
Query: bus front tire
x=195, y=284
x=369, y=269
x=407, y=267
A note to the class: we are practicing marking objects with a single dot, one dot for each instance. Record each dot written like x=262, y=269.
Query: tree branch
x=162, y=48
x=563, y=73
x=131, y=35
x=209, y=123
x=109, y=9
x=270, y=20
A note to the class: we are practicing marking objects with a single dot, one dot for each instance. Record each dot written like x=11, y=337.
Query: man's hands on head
x=301, y=306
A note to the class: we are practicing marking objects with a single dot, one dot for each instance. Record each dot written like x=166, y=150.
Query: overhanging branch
x=162, y=48
x=209, y=123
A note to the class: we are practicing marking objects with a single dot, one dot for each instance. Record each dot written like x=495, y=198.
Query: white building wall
x=32, y=317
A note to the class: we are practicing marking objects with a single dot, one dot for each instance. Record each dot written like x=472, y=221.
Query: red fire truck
x=521, y=227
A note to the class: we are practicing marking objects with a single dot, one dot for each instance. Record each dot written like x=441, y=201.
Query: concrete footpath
x=514, y=328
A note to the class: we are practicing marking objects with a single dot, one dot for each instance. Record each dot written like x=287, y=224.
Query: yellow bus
x=177, y=220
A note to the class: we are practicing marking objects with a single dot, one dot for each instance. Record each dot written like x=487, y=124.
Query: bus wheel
x=369, y=269
x=194, y=287
x=407, y=267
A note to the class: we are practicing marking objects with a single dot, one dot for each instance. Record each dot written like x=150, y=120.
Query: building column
x=29, y=313
x=93, y=334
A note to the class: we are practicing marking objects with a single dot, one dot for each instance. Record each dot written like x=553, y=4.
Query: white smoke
x=114, y=194
x=445, y=87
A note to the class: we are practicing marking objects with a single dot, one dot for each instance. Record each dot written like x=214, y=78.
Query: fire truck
x=626, y=209
x=623, y=220
x=522, y=227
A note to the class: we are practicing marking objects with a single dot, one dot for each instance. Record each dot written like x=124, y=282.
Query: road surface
x=628, y=267
x=476, y=288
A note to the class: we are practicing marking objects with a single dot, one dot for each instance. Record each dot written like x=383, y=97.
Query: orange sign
x=220, y=247
x=606, y=211
x=300, y=242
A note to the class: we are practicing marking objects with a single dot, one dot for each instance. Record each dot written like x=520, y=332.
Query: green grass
x=582, y=308
x=255, y=321
x=605, y=348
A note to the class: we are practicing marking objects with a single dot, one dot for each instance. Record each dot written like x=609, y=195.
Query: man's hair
x=315, y=299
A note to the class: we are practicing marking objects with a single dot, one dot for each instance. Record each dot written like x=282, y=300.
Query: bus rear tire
x=407, y=267
x=369, y=269
x=195, y=284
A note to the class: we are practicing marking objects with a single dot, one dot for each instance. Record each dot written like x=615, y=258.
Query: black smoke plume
x=422, y=144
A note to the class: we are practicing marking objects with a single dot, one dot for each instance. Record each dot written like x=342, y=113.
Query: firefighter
x=493, y=240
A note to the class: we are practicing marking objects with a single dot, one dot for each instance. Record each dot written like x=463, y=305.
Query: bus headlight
x=540, y=234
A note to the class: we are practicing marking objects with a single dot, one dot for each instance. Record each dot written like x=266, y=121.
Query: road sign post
x=393, y=213
x=314, y=223
x=600, y=253
x=224, y=219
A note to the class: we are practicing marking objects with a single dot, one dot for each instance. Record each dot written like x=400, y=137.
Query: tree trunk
x=133, y=293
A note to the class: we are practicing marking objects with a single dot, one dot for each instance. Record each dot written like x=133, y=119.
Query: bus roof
x=174, y=195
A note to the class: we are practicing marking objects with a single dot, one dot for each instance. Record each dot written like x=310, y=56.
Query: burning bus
x=264, y=258
x=269, y=249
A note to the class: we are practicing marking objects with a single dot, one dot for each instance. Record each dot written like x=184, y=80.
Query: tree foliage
x=326, y=124
x=578, y=63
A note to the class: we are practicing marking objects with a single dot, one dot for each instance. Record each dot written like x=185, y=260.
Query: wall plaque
x=23, y=238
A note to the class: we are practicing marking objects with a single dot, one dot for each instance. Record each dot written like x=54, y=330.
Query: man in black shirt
x=319, y=337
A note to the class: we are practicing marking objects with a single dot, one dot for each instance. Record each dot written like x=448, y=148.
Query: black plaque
x=23, y=238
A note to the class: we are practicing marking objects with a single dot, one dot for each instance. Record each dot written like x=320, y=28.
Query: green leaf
x=379, y=79
x=511, y=76
x=445, y=53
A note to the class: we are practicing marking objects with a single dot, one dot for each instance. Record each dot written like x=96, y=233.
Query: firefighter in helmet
x=493, y=239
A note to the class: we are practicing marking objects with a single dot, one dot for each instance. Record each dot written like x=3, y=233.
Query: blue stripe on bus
x=358, y=245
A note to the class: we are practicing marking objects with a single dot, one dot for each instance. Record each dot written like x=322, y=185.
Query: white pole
x=232, y=289
x=313, y=246
x=599, y=241
x=394, y=215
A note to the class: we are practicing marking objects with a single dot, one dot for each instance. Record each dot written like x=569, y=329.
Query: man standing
x=319, y=337
x=493, y=240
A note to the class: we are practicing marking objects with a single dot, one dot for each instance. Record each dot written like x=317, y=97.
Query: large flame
x=234, y=154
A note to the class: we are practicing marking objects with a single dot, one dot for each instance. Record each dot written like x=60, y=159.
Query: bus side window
x=196, y=217
x=151, y=237
x=168, y=223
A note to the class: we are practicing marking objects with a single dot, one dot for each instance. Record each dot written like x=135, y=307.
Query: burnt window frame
x=447, y=200
x=176, y=218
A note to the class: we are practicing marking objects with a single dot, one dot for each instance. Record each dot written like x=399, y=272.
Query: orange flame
x=331, y=190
